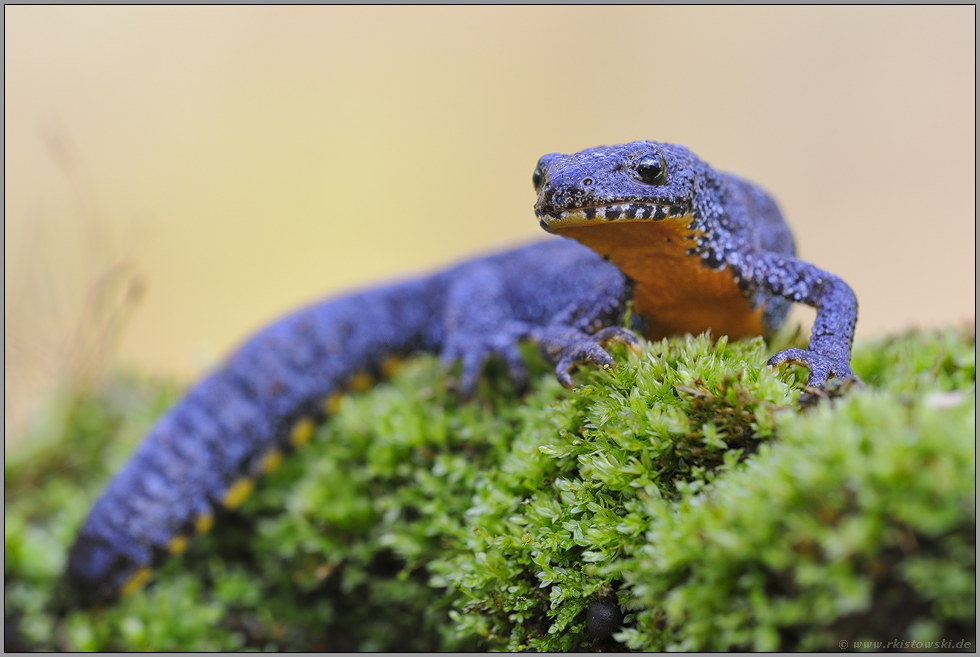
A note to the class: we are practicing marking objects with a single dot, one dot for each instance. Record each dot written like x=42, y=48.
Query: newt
x=652, y=228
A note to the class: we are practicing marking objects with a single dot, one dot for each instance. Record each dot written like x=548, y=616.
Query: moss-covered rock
x=685, y=490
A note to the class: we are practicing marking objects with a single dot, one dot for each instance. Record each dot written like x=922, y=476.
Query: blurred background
x=176, y=177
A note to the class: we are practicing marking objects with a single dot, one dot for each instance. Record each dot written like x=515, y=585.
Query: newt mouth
x=614, y=212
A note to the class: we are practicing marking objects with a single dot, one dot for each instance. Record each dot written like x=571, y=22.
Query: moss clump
x=685, y=487
x=858, y=524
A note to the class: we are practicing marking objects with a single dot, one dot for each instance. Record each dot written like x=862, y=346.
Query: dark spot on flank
x=647, y=211
x=676, y=210
x=590, y=213
x=602, y=619
x=631, y=212
x=613, y=214
x=305, y=326
x=276, y=388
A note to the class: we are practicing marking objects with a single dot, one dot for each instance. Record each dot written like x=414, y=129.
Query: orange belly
x=674, y=291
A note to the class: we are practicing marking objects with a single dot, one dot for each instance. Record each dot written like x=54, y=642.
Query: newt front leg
x=829, y=352
x=578, y=334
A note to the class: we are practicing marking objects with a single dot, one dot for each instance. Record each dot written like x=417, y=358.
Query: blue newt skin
x=652, y=225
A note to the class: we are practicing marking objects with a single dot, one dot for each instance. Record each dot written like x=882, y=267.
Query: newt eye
x=536, y=177
x=650, y=169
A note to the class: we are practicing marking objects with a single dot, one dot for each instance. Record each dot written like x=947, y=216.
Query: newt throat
x=672, y=288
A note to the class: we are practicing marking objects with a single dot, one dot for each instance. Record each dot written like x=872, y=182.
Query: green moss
x=685, y=486
x=808, y=542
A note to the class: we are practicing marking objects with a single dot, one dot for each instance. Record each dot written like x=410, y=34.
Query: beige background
x=243, y=161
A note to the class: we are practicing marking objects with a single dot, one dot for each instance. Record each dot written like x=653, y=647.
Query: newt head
x=639, y=182
x=651, y=209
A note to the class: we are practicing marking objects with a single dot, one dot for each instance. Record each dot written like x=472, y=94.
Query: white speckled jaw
x=615, y=212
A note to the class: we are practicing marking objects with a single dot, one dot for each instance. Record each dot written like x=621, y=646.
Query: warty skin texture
x=691, y=248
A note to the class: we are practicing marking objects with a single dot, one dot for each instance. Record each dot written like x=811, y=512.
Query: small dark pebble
x=602, y=619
